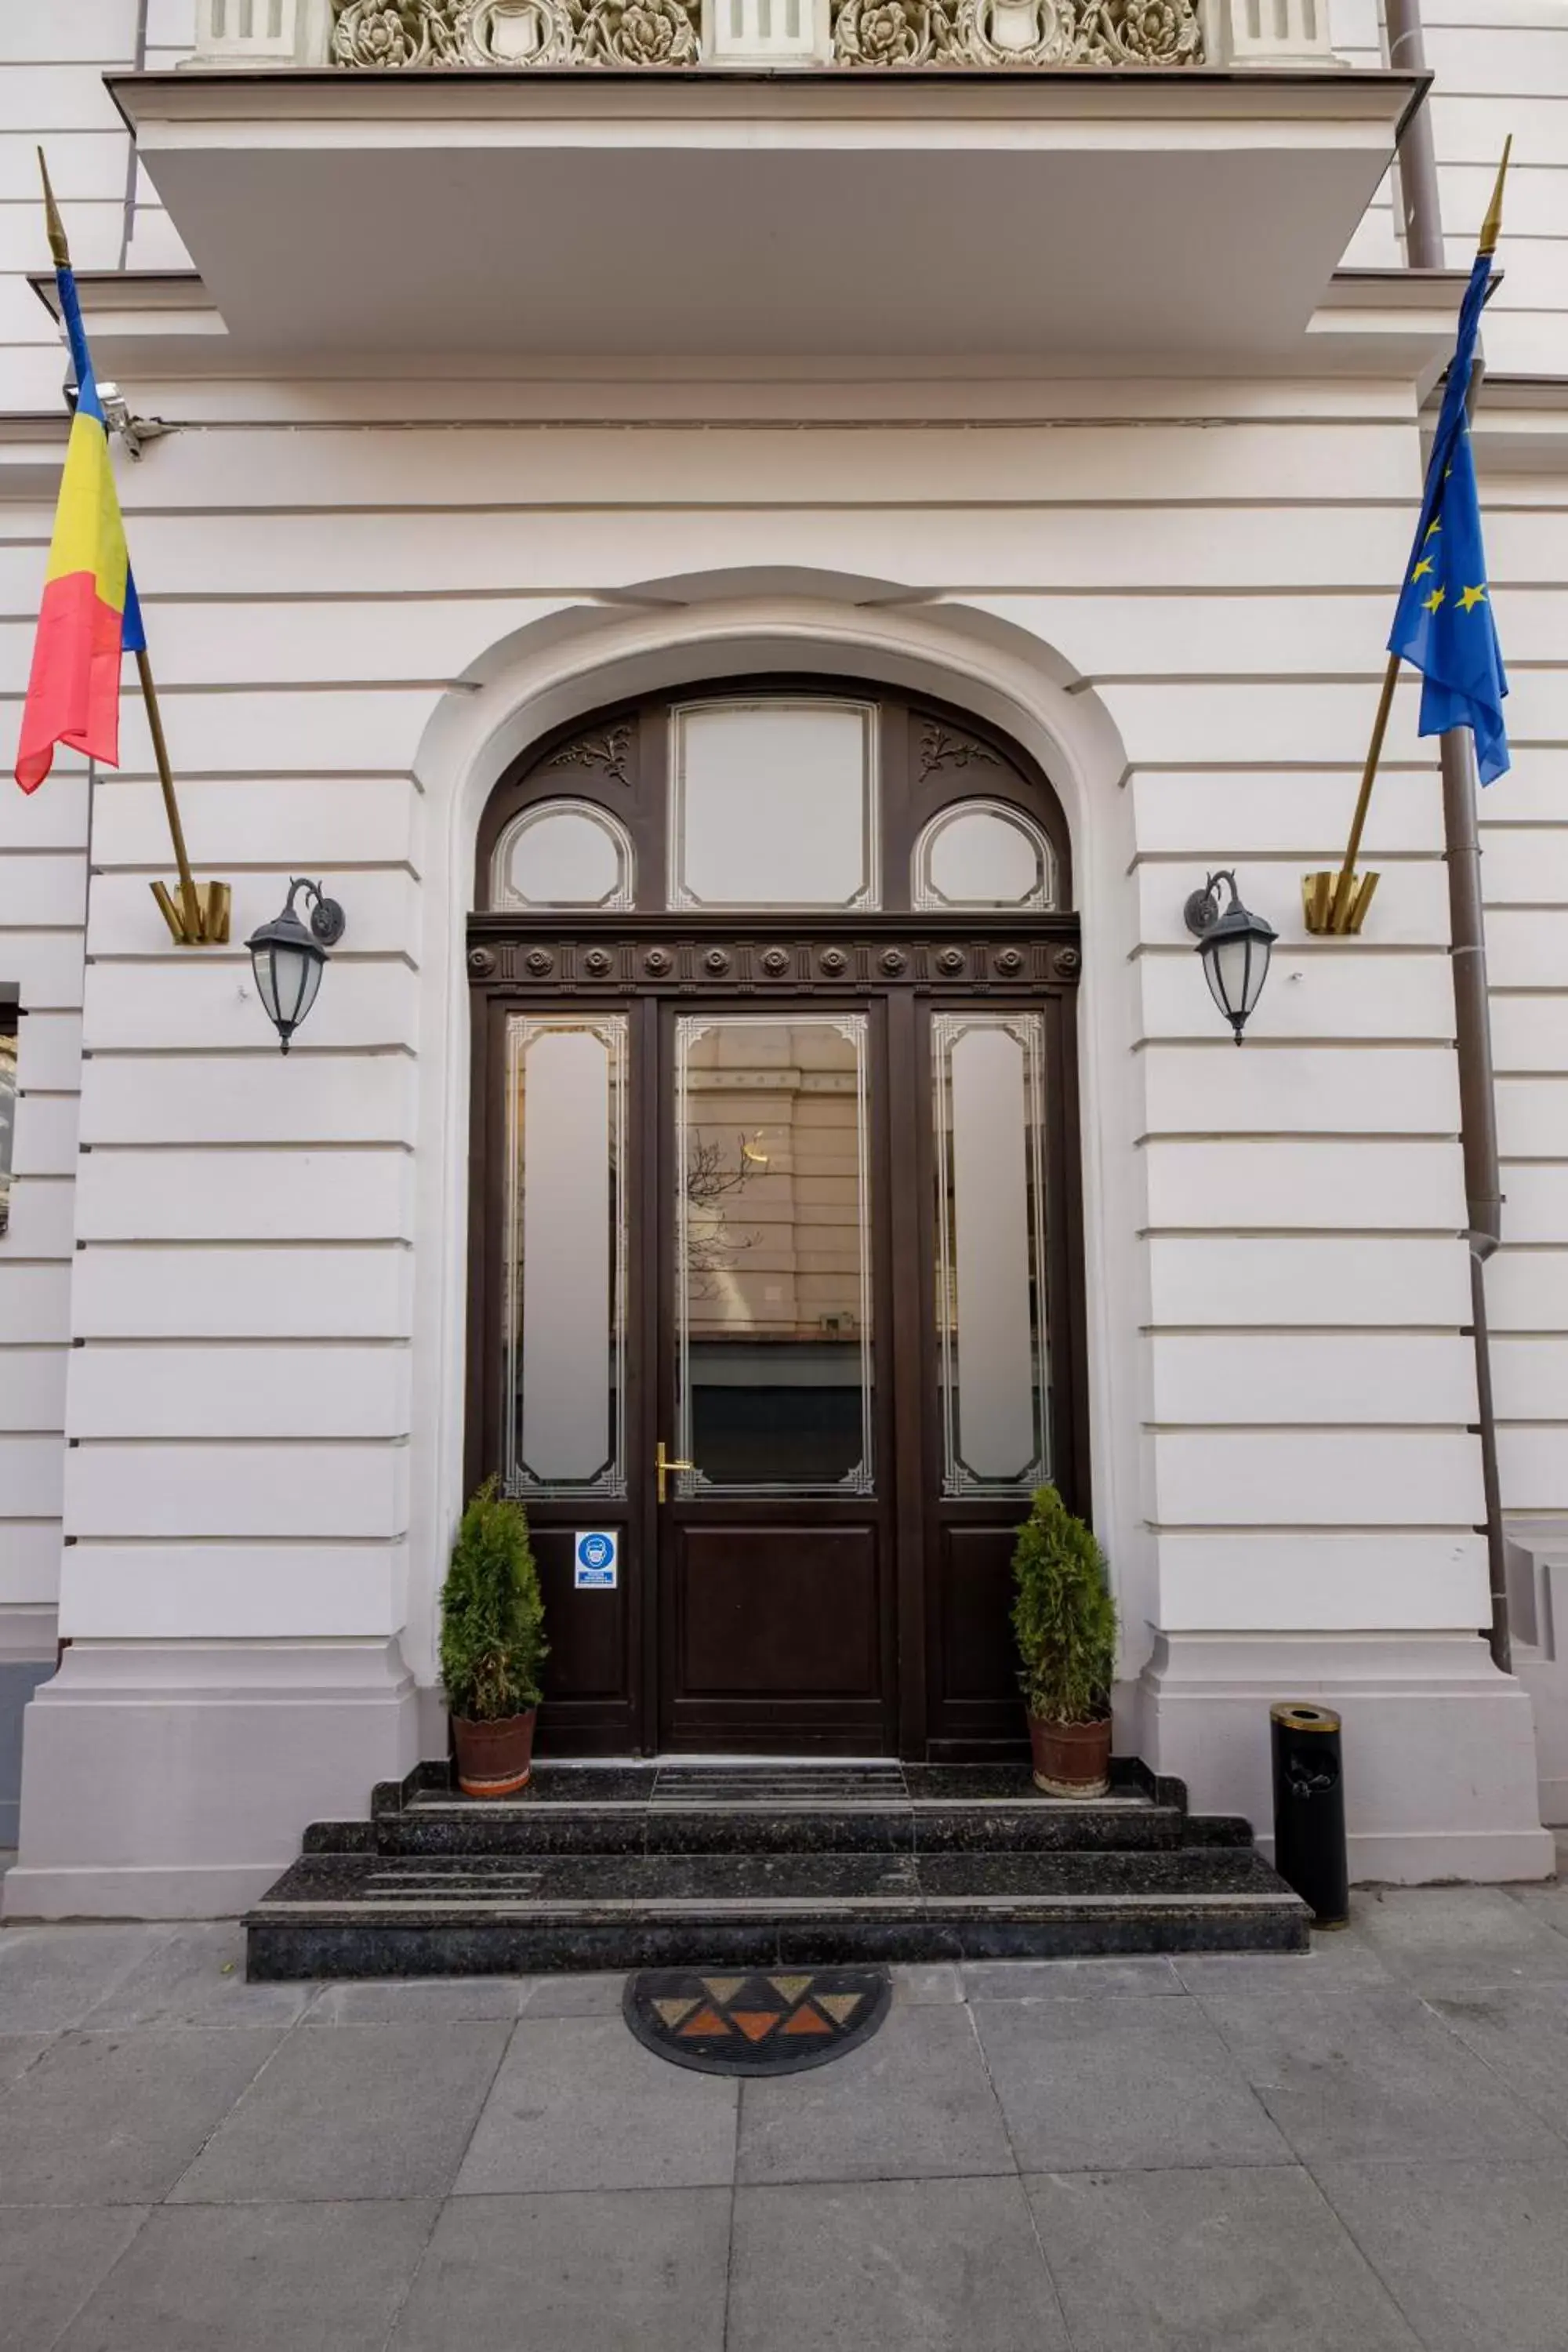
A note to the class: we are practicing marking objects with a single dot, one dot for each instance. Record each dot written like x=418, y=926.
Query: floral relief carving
x=609, y=752
x=392, y=33
x=398, y=34
x=941, y=748
x=1016, y=32
x=1149, y=33
x=640, y=33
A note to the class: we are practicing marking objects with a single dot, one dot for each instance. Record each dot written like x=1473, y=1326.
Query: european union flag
x=1444, y=626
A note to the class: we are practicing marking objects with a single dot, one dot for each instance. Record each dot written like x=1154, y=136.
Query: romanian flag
x=89, y=615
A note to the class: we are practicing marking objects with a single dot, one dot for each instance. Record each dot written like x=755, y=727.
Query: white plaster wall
x=236, y=1209
x=54, y=57
x=1525, y=873
x=258, y=1267
x=51, y=90
x=1501, y=67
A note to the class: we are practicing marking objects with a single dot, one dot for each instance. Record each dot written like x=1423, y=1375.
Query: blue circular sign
x=596, y=1552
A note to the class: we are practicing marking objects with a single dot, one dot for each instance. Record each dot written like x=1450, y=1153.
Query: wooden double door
x=783, y=1295
x=774, y=1261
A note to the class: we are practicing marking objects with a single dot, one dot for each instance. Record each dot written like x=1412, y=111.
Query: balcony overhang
x=1082, y=221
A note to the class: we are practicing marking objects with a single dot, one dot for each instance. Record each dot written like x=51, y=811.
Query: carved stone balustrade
x=902, y=36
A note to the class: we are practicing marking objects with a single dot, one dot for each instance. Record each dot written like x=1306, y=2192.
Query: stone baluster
x=1260, y=32
x=262, y=33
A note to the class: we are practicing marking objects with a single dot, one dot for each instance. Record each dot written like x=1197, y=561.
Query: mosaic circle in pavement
x=755, y=2022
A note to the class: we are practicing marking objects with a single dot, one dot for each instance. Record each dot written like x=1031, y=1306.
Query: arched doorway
x=775, y=1177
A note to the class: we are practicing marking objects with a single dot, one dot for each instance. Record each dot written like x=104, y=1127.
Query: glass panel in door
x=773, y=1291
x=989, y=1093
x=565, y=1264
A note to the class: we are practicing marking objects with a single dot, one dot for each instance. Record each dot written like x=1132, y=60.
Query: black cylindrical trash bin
x=1310, y=1810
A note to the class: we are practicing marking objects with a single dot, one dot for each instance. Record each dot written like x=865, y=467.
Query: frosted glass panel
x=566, y=1266
x=774, y=804
x=774, y=1339
x=989, y=1093
x=562, y=854
x=983, y=854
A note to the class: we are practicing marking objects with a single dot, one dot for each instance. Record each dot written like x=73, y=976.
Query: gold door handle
x=663, y=1464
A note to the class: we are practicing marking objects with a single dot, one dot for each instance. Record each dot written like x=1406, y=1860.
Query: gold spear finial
x=57, y=227
x=1491, y=228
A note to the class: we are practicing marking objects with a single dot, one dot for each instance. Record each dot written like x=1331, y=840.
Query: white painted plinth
x=171, y=1780
x=1542, y=1666
x=1439, y=1749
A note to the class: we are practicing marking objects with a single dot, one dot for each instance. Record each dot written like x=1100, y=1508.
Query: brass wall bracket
x=197, y=913
x=1335, y=903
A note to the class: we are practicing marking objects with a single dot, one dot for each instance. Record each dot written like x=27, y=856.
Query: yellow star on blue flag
x=1444, y=626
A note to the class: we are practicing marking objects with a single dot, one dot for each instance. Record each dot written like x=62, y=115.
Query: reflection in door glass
x=565, y=1263
x=772, y=1262
x=989, y=1093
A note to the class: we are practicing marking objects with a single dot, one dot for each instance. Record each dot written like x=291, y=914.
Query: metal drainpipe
x=1423, y=215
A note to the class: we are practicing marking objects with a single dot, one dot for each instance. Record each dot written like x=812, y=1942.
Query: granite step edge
x=581, y=1829
x=459, y=1907
x=283, y=1951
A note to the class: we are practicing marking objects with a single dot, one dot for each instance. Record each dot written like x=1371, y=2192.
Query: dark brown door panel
x=773, y=1612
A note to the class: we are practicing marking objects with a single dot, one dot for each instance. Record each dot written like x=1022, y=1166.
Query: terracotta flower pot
x=495, y=1760
x=1072, y=1760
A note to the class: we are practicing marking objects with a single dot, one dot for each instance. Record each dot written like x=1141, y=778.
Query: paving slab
x=1372, y=2074
x=587, y=1996
x=114, y=2119
x=1476, y=2252
x=1092, y=2086
x=51, y=1977
x=913, y=2102
x=933, y=1981
x=1251, y=2260
x=947, y=2265
x=366, y=2111
x=195, y=1976
x=579, y=2105
x=1066, y=1980
x=18, y=2052
x=1548, y=1906
x=1522, y=2033
x=258, y=2278
x=409, y=2001
x=576, y=2272
x=1447, y=1939
x=1341, y=1961
x=51, y=2258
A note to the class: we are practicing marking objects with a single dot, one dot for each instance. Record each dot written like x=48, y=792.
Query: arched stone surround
x=558, y=670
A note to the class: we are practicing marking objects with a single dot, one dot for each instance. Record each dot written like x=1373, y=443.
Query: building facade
x=762, y=555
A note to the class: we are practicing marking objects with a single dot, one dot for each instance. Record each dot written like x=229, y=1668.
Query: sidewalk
x=1366, y=2148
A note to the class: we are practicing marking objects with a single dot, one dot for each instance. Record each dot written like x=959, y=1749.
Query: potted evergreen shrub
x=493, y=1645
x=1065, y=1623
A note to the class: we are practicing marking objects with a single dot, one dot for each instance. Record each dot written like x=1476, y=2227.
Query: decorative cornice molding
x=786, y=962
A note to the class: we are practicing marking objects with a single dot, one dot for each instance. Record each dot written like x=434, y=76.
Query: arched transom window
x=776, y=799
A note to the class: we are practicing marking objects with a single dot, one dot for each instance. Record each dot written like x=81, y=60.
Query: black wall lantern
x=288, y=960
x=1235, y=947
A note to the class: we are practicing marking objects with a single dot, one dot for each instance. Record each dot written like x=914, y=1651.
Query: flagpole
x=1348, y=896
x=1343, y=909
x=190, y=905
x=201, y=916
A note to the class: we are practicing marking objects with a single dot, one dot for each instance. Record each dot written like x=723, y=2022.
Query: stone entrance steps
x=640, y=1866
